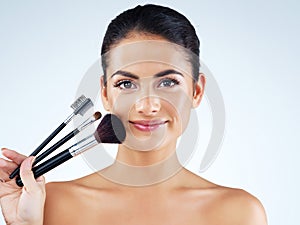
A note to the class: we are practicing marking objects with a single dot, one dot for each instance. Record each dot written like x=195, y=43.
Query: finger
x=7, y=166
x=41, y=180
x=13, y=155
x=27, y=176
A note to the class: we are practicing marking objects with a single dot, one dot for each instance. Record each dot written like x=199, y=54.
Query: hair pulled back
x=155, y=20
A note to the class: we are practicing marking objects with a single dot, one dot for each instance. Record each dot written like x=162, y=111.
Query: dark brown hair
x=157, y=20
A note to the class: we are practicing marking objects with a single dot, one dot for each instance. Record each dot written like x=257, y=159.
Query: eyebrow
x=160, y=74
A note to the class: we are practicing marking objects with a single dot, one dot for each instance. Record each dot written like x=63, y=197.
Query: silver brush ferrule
x=83, y=140
x=69, y=118
x=76, y=151
x=86, y=123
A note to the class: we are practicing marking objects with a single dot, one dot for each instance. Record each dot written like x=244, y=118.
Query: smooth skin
x=184, y=198
x=21, y=205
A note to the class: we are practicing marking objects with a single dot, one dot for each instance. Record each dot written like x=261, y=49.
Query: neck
x=132, y=157
x=136, y=168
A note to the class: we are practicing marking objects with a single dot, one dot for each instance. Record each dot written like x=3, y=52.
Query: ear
x=199, y=90
x=104, y=97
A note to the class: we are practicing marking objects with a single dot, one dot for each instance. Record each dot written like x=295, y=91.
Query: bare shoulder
x=64, y=200
x=59, y=190
x=67, y=191
x=237, y=206
x=225, y=205
x=58, y=199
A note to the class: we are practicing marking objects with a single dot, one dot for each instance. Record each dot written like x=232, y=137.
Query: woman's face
x=153, y=98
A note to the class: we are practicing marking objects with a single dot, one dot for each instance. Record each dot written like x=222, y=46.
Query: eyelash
x=118, y=84
x=174, y=80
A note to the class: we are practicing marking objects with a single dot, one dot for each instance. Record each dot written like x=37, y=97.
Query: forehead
x=149, y=69
x=150, y=56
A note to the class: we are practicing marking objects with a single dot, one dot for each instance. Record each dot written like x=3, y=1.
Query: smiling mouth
x=147, y=125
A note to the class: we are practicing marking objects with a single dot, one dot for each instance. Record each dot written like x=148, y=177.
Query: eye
x=125, y=84
x=168, y=82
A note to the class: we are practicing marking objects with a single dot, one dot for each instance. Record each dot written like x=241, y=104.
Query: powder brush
x=80, y=106
x=110, y=130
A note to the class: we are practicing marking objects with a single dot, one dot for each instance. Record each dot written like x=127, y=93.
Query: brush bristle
x=78, y=102
x=82, y=105
x=97, y=115
x=110, y=130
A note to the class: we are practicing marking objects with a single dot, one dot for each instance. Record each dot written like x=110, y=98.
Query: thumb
x=27, y=176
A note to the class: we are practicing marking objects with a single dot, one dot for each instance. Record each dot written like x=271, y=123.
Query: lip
x=147, y=125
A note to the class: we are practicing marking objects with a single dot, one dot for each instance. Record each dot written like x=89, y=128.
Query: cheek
x=121, y=104
x=176, y=104
x=179, y=105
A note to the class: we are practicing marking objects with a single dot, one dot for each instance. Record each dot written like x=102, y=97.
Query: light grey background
x=251, y=47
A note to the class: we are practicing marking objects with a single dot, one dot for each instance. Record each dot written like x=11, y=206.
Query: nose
x=148, y=106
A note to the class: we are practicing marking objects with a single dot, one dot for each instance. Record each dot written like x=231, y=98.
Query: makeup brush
x=80, y=106
x=110, y=130
x=96, y=116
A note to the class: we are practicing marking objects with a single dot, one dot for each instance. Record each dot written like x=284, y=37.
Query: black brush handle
x=38, y=149
x=48, y=139
x=48, y=165
x=55, y=146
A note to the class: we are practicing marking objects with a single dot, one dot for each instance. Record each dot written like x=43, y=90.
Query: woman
x=150, y=57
